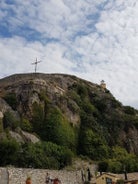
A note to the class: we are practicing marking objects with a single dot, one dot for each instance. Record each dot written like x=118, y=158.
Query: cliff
x=67, y=111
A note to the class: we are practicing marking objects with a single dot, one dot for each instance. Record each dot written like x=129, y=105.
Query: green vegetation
x=39, y=155
x=52, y=126
x=8, y=152
x=95, y=136
x=93, y=145
x=58, y=130
x=10, y=121
x=11, y=99
x=119, y=160
x=26, y=125
x=129, y=110
x=38, y=118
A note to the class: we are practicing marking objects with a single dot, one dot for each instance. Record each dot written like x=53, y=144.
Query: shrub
x=115, y=166
x=26, y=125
x=58, y=130
x=38, y=118
x=92, y=145
x=44, y=155
x=129, y=110
x=103, y=166
x=8, y=152
x=11, y=99
x=10, y=120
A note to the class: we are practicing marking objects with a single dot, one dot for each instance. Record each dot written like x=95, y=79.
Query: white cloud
x=17, y=55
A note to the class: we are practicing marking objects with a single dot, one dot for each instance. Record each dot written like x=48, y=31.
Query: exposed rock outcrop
x=74, y=97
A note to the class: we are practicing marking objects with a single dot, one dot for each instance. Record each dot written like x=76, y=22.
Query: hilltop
x=60, y=115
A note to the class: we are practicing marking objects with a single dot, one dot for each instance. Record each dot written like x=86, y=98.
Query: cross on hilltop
x=35, y=63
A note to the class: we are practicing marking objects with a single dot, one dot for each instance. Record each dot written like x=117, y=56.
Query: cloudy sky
x=92, y=39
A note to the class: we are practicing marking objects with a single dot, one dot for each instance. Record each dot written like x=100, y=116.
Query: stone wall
x=19, y=175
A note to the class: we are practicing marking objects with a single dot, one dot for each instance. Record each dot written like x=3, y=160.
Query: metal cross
x=35, y=63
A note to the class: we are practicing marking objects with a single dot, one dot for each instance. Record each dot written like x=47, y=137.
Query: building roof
x=109, y=174
x=130, y=176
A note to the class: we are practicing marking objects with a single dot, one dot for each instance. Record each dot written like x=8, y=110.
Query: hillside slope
x=67, y=111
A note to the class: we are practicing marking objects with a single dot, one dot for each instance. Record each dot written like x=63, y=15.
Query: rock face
x=19, y=93
x=28, y=88
x=22, y=137
x=130, y=139
x=1, y=115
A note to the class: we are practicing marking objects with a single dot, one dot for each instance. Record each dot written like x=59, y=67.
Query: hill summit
x=64, y=112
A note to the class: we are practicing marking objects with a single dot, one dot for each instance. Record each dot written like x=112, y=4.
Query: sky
x=91, y=39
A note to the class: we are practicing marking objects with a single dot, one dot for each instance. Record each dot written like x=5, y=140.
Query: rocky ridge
x=30, y=88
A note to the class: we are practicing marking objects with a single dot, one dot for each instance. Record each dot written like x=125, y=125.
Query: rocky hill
x=67, y=111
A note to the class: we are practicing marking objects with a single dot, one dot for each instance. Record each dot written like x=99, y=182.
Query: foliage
x=88, y=120
x=103, y=166
x=100, y=104
x=81, y=89
x=11, y=99
x=115, y=166
x=44, y=155
x=119, y=153
x=8, y=152
x=62, y=154
x=102, y=118
x=10, y=120
x=58, y=130
x=38, y=155
x=129, y=110
x=43, y=97
x=75, y=97
x=93, y=145
x=130, y=121
x=120, y=159
x=38, y=117
x=26, y=125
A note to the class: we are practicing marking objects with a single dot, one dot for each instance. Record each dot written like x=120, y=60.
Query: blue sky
x=92, y=39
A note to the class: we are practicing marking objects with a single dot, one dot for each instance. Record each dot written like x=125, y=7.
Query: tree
x=58, y=130
x=92, y=145
x=8, y=152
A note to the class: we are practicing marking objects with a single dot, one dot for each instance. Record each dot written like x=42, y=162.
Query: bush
x=103, y=166
x=115, y=166
x=10, y=120
x=44, y=155
x=11, y=100
x=100, y=104
x=58, y=130
x=8, y=152
x=119, y=153
x=129, y=110
x=38, y=118
x=92, y=145
x=26, y=125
